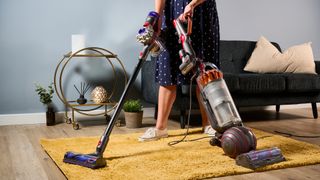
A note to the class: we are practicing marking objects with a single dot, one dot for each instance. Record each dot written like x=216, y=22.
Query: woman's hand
x=188, y=12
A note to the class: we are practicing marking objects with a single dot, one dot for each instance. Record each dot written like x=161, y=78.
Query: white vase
x=78, y=42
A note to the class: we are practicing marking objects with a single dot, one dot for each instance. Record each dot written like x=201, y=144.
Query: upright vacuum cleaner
x=151, y=45
x=221, y=111
x=236, y=140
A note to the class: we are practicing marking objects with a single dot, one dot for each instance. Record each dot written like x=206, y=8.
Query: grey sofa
x=247, y=89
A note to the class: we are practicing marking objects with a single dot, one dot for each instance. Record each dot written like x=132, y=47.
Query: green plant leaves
x=132, y=105
x=45, y=94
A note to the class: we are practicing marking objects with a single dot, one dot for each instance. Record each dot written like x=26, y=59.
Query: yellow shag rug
x=129, y=159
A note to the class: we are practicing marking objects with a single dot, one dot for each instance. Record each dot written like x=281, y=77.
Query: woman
x=205, y=41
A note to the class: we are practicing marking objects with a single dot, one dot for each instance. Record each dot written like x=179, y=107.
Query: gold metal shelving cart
x=90, y=106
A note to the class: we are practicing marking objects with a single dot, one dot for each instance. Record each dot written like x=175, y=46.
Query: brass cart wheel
x=76, y=126
x=68, y=120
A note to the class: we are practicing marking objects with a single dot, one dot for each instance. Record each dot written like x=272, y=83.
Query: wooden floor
x=23, y=158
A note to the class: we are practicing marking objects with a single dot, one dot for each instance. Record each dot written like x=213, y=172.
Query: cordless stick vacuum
x=216, y=99
x=151, y=45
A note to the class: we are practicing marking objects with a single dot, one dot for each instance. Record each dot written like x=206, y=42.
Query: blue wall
x=288, y=22
x=34, y=35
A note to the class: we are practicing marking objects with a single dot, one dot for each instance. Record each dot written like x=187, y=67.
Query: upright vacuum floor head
x=256, y=159
x=87, y=160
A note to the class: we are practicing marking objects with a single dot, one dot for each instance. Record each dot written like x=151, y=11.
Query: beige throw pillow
x=266, y=58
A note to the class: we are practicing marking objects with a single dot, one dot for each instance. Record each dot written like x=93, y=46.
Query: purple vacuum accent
x=256, y=159
x=86, y=160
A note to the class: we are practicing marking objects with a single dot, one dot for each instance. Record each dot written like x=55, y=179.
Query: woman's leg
x=167, y=96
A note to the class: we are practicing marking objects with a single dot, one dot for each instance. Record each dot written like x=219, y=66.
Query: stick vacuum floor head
x=87, y=160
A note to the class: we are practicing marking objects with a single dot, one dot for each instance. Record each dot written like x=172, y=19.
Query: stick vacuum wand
x=151, y=44
x=105, y=137
x=96, y=160
x=147, y=37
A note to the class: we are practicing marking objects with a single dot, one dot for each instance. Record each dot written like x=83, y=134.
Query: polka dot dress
x=205, y=40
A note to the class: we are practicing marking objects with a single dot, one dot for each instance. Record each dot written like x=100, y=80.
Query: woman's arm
x=188, y=10
x=195, y=3
x=159, y=6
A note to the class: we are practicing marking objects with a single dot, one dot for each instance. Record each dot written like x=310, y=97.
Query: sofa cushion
x=302, y=82
x=268, y=59
x=235, y=54
x=262, y=83
x=232, y=81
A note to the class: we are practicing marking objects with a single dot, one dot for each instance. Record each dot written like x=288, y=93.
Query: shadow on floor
x=267, y=115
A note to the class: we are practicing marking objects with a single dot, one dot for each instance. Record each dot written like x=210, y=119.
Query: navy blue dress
x=205, y=40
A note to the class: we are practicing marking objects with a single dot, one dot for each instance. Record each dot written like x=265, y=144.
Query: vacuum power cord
x=294, y=135
x=172, y=143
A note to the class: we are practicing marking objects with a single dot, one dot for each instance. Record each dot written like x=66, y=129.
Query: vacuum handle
x=211, y=65
x=189, y=28
x=181, y=30
x=184, y=35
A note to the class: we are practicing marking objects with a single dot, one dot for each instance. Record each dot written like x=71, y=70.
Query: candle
x=77, y=43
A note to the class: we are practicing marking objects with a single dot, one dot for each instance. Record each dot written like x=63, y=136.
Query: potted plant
x=46, y=99
x=133, y=113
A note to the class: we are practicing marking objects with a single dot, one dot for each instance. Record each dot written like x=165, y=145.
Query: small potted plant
x=46, y=99
x=133, y=113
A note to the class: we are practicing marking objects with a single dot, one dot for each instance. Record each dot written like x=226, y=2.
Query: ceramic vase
x=50, y=116
x=133, y=119
x=99, y=95
x=81, y=100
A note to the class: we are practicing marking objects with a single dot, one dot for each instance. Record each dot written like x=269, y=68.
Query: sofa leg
x=314, y=110
x=182, y=119
x=277, y=108
x=155, y=115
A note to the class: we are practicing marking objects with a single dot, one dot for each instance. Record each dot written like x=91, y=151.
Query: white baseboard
x=17, y=119
x=38, y=118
